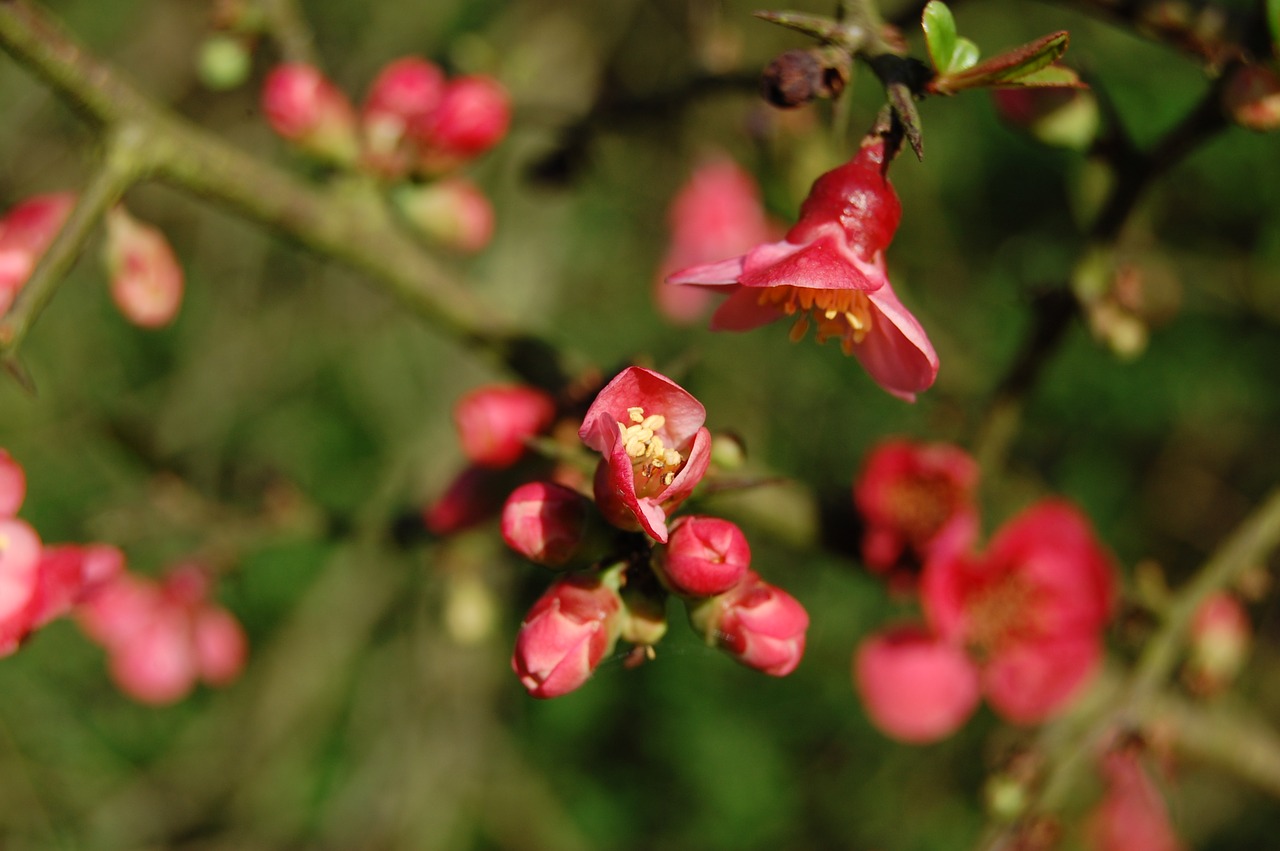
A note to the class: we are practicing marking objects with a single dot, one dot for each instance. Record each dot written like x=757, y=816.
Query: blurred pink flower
x=146, y=280
x=495, y=421
x=915, y=687
x=656, y=449
x=404, y=93
x=717, y=213
x=20, y=550
x=830, y=270
x=25, y=233
x=13, y=485
x=305, y=108
x=1219, y=644
x=1031, y=609
x=759, y=624
x=914, y=498
x=471, y=117
x=1132, y=814
x=566, y=634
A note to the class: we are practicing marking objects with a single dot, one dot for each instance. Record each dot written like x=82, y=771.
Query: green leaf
x=1021, y=66
x=964, y=56
x=1054, y=75
x=939, y=34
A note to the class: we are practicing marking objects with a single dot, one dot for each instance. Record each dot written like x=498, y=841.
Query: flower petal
x=897, y=352
x=826, y=263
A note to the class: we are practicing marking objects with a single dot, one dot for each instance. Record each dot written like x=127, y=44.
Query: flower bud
x=13, y=485
x=146, y=280
x=25, y=234
x=761, y=626
x=545, y=522
x=19, y=574
x=452, y=212
x=792, y=79
x=1220, y=638
x=404, y=93
x=495, y=421
x=566, y=634
x=304, y=108
x=472, y=117
x=914, y=686
x=1251, y=98
x=224, y=62
x=704, y=556
x=220, y=645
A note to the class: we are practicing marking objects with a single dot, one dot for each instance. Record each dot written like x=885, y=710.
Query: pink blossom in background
x=566, y=634
x=403, y=94
x=759, y=624
x=545, y=522
x=451, y=212
x=704, y=556
x=914, y=686
x=830, y=272
x=163, y=637
x=494, y=422
x=1132, y=815
x=303, y=107
x=656, y=449
x=1031, y=609
x=717, y=213
x=472, y=116
x=25, y=234
x=913, y=498
x=146, y=280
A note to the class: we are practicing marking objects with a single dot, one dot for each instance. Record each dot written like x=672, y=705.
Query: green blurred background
x=294, y=415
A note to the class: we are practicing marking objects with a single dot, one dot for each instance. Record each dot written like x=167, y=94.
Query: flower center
x=1002, y=613
x=922, y=505
x=843, y=314
x=655, y=463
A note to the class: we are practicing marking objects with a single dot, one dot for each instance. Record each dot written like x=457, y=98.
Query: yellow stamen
x=841, y=314
x=647, y=450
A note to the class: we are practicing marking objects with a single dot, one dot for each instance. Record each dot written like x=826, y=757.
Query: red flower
x=25, y=233
x=915, y=687
x=830, y=272
x=655, y=448
x=914, y=498
x=573, y=626
x=1031, y=610
x=760, y=625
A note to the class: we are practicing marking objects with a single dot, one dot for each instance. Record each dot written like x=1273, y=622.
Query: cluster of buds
x=160, y=637
x=830, y=273
x=655, y=450
x=416, y=128
x=1020, y=623
x=145, y=279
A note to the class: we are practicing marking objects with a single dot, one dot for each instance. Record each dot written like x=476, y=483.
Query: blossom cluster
x=160, y=637
x=1020, y=623
x=146, y=281
x=415, y=129
x=626, y=547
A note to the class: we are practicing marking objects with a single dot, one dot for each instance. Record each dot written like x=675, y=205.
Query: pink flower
x=495, y=421
x=404, y=93
x=305, y=108
x=914, y=498
x=471, y=117
x=760, y=625
x=566, y=634
x=545, y=522
x=146, y=280
x=830, y=270
x=68, y=574
x=656, y=449
x=163, y=637
x=705, y=556
x=1031, y=609
x=1132, y=815
x=452, y=212
x=915, y=687
x=25, y=234
x=13, y=485
x=716, y=213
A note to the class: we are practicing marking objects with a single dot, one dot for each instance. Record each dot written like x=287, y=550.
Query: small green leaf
x=1053, y=75
x=964, y=56
x=1009, y=69
x=939, y=34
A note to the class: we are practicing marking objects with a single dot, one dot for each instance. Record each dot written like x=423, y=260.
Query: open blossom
x=915, y=687
x=1031, y=610
x=566, y=634
x=913, y=498
x=830, y=272
x=25, y=233
x=759, y=624
x=656, y=449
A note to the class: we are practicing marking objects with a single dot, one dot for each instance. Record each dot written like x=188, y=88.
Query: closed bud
x=25, y=233
x=304, y=108
x=472, y=117
x=1220, y=638
x=451, y=212
x=704, y=556
x=404, y=93
x=13, y=485
x=566, y=634
x=146, y=280
x=761, y=626
x=19, y=575
x=494, y=422
x=545, y=522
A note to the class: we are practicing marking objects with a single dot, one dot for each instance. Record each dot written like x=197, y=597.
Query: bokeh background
x=289, y=426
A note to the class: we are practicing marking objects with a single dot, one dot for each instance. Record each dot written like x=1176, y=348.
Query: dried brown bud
x=792, y=79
